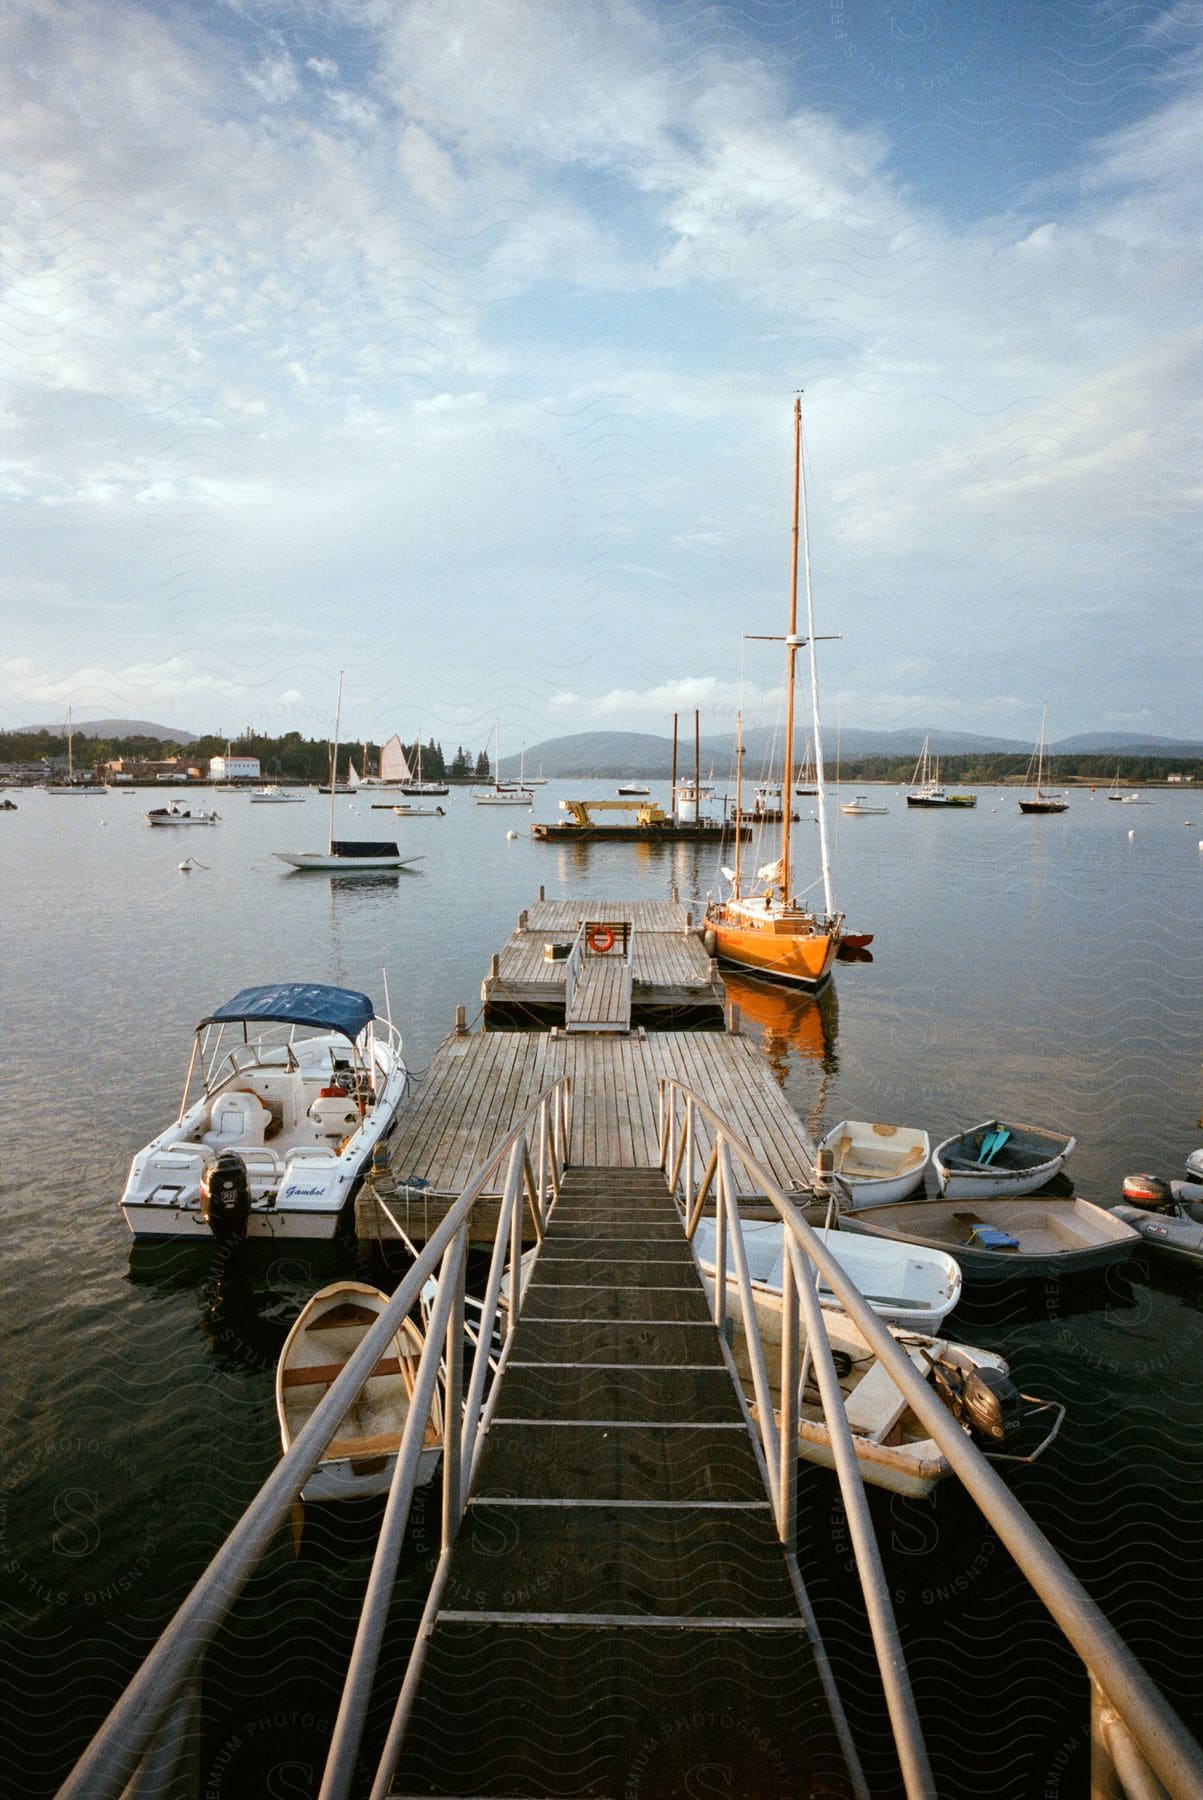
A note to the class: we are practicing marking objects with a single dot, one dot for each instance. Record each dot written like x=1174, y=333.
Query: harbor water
x=1041, y=969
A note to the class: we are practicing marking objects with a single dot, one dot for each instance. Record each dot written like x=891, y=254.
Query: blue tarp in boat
x=299, y=1003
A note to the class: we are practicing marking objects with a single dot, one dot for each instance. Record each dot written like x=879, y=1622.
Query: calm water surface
x=1047, y=969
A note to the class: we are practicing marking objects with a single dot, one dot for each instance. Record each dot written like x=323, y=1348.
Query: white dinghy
x=274, y=1130
x=360, y=1457
x=875, y=1164
x=905, y=1284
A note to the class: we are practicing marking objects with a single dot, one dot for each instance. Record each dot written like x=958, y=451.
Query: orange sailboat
x=773, y=932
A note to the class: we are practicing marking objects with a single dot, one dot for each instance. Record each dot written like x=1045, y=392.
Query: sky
x=454, y=344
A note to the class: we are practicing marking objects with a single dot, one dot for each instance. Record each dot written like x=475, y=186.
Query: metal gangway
x=599, y=976
x=148, y=1746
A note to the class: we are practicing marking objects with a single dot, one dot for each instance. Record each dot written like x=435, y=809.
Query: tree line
x=287, y=758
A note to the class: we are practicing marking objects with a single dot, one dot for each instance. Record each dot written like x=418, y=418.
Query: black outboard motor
x=1149, y=1192
x=225, y=1198
x=984, y=1401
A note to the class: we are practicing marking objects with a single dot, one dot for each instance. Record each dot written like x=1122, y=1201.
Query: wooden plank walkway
x=619, y=1616
x=478, y=1086
x=601, y=995
x=673, y=978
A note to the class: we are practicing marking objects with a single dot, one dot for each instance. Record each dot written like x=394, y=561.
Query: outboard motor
x=1149, y=1192
x=225, y=1198
x=984, y=1402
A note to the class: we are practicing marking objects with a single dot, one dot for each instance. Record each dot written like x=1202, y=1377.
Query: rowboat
x=997, y=1160
x=359, y=1459
x=1012, y=1239
x=875, y=1164
x=903, y=1283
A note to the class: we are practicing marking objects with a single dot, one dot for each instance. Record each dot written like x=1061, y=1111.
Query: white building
x=234, y=768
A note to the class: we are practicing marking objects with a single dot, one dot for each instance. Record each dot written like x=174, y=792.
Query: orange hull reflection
x=791, y=1022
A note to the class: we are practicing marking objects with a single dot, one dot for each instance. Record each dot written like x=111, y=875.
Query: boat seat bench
x=328, y=1372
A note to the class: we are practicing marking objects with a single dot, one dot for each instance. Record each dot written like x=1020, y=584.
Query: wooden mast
x=697, y=766
x=820, y=777
x=739, y=796
x=791, y=651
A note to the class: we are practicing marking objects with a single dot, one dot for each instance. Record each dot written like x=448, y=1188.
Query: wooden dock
x=619, y=1616
x=673, y=980
x=479, y=1085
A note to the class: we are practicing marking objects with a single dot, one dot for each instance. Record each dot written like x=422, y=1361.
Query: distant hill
x=634, y=753
x=116, y=728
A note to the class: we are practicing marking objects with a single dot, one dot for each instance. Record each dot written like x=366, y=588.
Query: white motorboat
x=404, y=809
x=182, y=815
x=860, y=808
x=1167, y=1215
x=997, y=1160
x=360, y=1457
x=892, y=1447
x=904, y=1283
x=275, y=1130
x=875, y=1164
x=276, y=796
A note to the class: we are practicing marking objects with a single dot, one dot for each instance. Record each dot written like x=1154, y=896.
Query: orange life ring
x=600, y=939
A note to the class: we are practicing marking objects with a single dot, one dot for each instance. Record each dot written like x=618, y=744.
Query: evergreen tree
x=461, y=768
x=482, y=766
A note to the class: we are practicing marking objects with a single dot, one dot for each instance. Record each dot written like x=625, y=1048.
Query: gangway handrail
x=127, y=1736
x=1138, y=1729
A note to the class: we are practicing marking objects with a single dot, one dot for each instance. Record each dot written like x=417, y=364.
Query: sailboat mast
x=791, y=651
x=338, y=716
x=820, y=781
x=739, y=795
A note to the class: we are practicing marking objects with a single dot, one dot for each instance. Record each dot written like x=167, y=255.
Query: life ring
x=600, y=939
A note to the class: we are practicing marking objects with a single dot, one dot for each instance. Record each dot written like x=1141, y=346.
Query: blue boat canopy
x=299, y=1003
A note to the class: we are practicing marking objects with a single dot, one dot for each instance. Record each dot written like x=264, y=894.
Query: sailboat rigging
x=503, y=793
x=772, y=932
x=1038, y=801
x=345, y=853
x=74, y=784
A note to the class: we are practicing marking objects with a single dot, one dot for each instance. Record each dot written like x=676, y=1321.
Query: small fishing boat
x=926, y=788
x=876, y=1164
x=360, y=1457
x=1013, y=1239
x=275, y=1130
x=905, y=1284
x=182, y=815
x=1168, y=1215
x=860, y=808
x=892, y=1447
x=997, y=1160
x=276, y=796
x=635, y=790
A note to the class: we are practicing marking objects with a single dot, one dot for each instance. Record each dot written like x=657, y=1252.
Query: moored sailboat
x=345, y=853
x=772, y=932
x=1038, y=800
